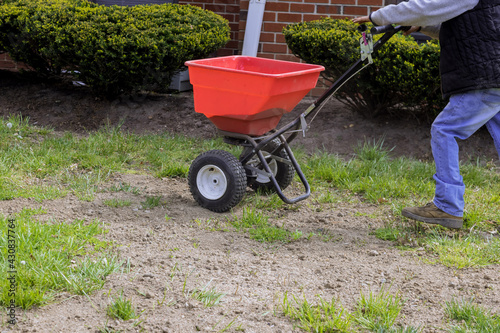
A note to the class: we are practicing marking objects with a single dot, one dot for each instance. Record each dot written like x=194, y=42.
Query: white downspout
x=253, y=27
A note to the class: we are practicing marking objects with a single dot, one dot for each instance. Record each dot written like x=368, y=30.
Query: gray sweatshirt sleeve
x=428, y=14
x=431, y=31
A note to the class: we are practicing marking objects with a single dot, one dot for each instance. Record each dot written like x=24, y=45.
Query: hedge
x=403, y=78
x=114, y=50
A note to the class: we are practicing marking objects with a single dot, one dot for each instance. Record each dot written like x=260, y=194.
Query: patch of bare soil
x=171, y=257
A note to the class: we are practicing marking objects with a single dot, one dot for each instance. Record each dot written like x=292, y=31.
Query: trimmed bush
x=113, y=49
x=34, y=32
x=403, y=78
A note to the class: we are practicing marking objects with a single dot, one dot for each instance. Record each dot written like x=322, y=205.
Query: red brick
x=339, y=17
x=317, y=1
x=280, y=38
x=234, y=26
x=265, y=55
x=232, y=44
x=7, y=64
x=302, y=8
x=273, y=27
x=287, y=57
x=286, y=17
x=244, y=5
x=343, y=2
x=232, y=9
x=274, y=48
x=225, y=52
x=229, y=17
x=268, y=37
x=269, y=17
x=370, y=2
x=354, y=10
x=322, y=9
x=229, y=2
x=8, y=57
x=216, y=8
x=312, y=17
x=277, y=6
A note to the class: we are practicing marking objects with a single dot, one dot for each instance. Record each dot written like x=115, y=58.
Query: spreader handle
x=387, y=28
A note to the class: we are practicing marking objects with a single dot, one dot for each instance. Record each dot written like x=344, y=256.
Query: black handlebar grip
x=362, y=28
x=381, y=29
x=388, y=28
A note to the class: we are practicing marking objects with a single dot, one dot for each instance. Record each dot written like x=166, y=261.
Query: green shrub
x=113, y=49
x=403, y=77
x=34, y=32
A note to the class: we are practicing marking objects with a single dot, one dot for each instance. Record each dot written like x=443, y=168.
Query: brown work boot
x=431, y=214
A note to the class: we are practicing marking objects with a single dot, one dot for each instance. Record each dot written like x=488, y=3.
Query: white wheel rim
x=272, y=165
x=211, y=182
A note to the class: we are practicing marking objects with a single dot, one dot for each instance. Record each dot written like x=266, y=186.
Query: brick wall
x=278, y=13
x=6, y=63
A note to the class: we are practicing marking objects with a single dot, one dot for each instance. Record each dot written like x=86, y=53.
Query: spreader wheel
x=217, y=180
x=283, y=172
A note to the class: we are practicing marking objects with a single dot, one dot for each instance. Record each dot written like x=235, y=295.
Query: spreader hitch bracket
x=366, y=44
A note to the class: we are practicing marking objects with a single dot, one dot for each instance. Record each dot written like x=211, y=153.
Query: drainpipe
x=252, y=29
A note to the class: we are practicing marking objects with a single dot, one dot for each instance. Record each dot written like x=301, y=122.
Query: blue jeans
x=464, y=115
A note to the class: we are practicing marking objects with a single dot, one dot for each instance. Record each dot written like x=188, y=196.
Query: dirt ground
x=169, y=258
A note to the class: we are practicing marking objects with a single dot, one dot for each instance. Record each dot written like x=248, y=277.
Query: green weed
x=117, y=203
x=322, y=317
x=258, y=226
x=470, y=250
x=373, y=313
x=207, y=295
x=378, y=311
x=151, y=202
x=470, y=317
x=121, y=308
x=124, y=187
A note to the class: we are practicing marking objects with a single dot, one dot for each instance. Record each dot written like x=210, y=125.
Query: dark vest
x=470, y=49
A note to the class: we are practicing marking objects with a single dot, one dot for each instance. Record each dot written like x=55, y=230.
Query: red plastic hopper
x=249, y=95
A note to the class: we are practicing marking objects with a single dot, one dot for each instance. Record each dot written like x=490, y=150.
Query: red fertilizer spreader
x=245, y=98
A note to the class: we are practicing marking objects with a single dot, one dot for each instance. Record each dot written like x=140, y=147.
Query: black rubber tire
x=217, y=180
x=283, y=172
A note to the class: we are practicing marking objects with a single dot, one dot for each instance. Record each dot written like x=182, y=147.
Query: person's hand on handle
x=361, y=19
x=412, y=30
x=366, y=19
